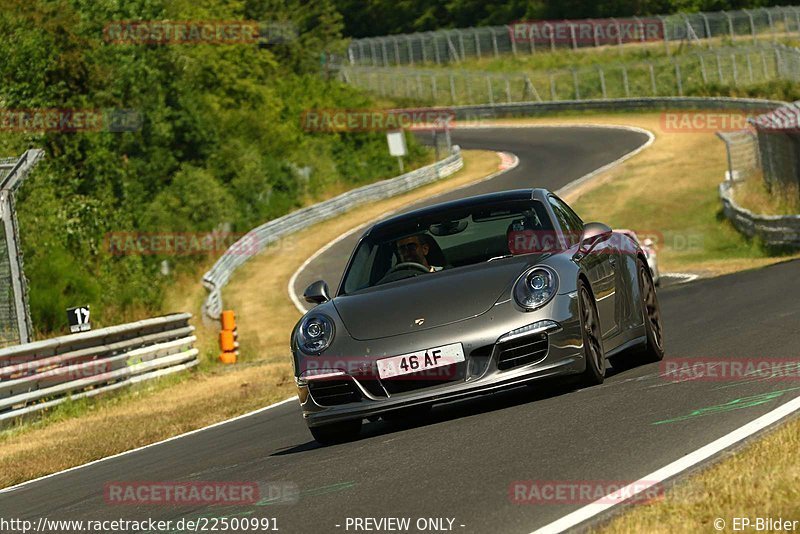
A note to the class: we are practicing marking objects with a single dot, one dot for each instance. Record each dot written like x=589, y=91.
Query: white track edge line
x=131, y=451
x=670, y=470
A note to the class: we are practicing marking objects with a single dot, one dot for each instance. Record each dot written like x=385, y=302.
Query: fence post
x=410, y=51
x=513, y=40
x=735, y=70
x=703, y=68
x=749, y=66
x=602, y=81
x=553, y=95
x=572, y=36
x=461, y=44
x=436, y=48
x=653, y=79
x=452, y=90
x=666, y=36
x=625, y=81
x=491, y=90
x=678, y=78
x=730, y=24
x=771, y=24
x=752, y=24
x=707, y=26
x=552, y=38
x=575, y=82
x=477, y=43
x=719, y=67
x=508, y=90
x=494, y=42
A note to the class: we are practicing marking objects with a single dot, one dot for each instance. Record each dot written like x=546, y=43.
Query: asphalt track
x=461, y=463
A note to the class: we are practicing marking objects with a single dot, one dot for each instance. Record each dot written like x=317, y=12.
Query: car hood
x=436, y=299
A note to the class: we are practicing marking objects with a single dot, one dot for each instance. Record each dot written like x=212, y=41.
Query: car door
x=600, y=265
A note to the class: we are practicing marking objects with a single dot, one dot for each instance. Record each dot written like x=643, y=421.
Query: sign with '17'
x=78, y=319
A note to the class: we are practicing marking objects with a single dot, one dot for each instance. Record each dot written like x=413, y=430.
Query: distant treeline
x=369, y=18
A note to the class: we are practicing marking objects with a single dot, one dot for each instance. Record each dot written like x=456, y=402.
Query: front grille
x=522, y=351
x=432, y=377
x=333, y=392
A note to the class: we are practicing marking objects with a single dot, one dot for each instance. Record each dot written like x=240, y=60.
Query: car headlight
x=315, y=334
x=536, y=287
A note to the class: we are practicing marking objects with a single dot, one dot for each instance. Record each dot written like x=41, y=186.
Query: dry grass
x=752, y=194
x=668, y=191
x=154, y=411
x=759, y=481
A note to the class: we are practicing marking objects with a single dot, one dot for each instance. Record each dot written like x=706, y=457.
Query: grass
x=752, y=194
x=757, y=481
x=83, y=431
x=669, y=192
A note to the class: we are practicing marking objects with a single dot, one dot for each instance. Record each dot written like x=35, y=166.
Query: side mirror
x=317, y=293
x=593, y=233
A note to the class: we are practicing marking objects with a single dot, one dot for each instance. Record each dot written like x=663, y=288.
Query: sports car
x=466, y=298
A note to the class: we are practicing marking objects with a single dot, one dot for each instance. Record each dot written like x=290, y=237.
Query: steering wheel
x=408, y=265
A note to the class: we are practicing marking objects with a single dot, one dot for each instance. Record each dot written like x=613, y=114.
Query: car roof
x=500, y=196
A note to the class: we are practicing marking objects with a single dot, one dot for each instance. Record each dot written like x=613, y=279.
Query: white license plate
x=420, y=361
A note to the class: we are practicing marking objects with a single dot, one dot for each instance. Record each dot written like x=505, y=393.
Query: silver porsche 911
x=465, y=298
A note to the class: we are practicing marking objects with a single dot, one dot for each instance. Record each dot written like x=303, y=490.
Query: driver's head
x=413, y=248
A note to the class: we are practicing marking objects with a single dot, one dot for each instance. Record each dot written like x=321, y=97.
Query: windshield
x=447, y=240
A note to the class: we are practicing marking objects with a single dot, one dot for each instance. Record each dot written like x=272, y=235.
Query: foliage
x=220, y=145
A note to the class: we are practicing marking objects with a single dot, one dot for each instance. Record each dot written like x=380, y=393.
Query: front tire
x=336, y=432
x=654, y=349
x=593, y=353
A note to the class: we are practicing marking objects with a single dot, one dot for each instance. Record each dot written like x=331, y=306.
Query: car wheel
x=336, y=432
x=654, y=350
x=592, y=339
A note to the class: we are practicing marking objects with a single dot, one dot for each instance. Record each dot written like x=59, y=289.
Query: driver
x=415, y=249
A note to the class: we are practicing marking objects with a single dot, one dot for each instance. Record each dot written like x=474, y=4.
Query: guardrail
x=43, y=374
x=262, y=236
x=15, y=322
x=453, y=46
x=773, y=230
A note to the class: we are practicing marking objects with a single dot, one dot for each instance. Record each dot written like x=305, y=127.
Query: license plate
x=420, y=361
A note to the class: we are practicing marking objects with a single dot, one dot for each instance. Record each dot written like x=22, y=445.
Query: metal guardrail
x=262, y=236
x=43, y=374
x=453, y=46
x=678, y=75
x=15, y=322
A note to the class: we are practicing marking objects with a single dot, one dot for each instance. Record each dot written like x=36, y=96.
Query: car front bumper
x=494, y=344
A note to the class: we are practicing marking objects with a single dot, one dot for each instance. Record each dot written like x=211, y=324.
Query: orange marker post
x=228, y=337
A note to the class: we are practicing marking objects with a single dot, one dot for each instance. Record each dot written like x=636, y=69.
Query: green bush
x=220, y=146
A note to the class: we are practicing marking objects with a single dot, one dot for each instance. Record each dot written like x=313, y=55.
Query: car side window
x=570, y=223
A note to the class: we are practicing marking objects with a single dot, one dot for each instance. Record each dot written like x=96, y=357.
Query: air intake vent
x=333, y=392
x=522, y=351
